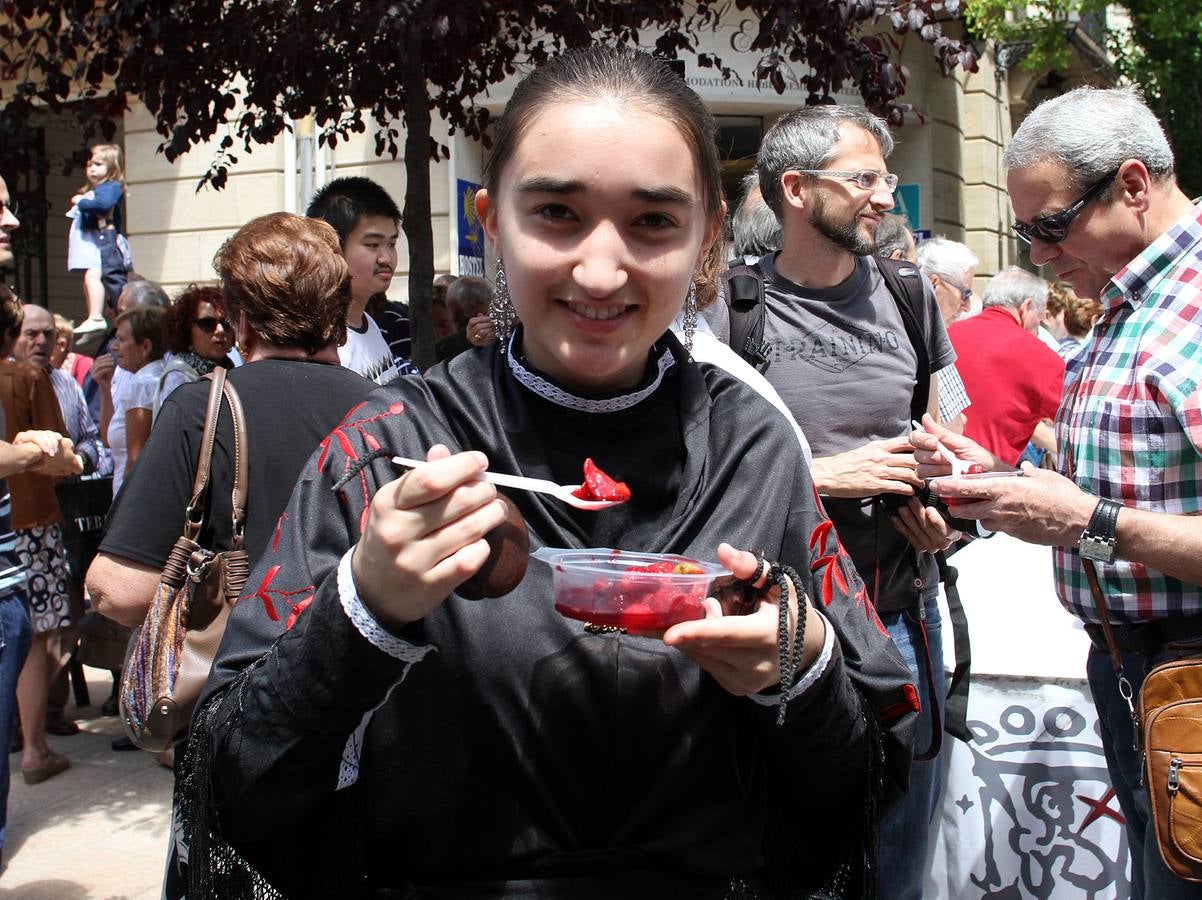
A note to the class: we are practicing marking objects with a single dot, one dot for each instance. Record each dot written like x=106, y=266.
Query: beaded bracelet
x=790, y=658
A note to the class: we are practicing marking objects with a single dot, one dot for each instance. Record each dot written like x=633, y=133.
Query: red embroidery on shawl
x=297, y=610
x=340, y=434
x=273, y=596
x=837, y=567
x=270, y=596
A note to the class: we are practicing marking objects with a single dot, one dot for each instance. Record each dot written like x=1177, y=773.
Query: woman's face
x=131, y=355
x=97, y=170
x=62, y=346
x=599, y=218
x=212, y=334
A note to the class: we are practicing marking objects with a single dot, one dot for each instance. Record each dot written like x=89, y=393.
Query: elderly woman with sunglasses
x=199, y=336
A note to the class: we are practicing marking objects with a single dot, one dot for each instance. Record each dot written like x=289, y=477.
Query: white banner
x=1028, y=811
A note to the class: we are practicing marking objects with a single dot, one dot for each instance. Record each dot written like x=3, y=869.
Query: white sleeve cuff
x=803, y=684
x=365, y=623
x=398, y=648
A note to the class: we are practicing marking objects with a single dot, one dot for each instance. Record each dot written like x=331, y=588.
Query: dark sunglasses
x=965, y=292
x=1052, y=229
x=208, y=324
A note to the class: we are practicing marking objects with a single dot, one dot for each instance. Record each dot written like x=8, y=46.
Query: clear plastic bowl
x=605, y=587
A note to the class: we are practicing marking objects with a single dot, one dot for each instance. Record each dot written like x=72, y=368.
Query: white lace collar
x=555, y=394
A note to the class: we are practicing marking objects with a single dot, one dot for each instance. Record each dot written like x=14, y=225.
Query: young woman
x=372, y=732
x=97, y=235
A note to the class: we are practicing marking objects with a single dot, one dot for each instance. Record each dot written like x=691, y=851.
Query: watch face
x=1097, y=549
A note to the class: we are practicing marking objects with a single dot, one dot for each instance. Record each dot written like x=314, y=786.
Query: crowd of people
x=779, y=388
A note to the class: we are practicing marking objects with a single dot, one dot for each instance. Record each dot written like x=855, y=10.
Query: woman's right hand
x=425, y=536
x=102, y=370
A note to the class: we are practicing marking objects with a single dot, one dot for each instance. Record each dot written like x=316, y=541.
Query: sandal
x=55, y=764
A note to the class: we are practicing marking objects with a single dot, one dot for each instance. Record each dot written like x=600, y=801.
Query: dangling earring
x=501, y=310
x=690, y=316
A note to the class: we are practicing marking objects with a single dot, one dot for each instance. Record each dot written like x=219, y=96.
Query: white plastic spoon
x=959, y=466
x=539, y=485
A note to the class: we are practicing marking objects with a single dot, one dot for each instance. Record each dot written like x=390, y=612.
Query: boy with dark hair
x=365, y=218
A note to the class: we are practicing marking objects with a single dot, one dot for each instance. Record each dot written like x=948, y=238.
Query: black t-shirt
x=290, y=406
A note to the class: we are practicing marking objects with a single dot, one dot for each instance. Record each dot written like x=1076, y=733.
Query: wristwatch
x=1097, y=541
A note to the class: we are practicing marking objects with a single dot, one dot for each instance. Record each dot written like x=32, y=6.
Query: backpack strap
x=905, y=284
x=745, y=300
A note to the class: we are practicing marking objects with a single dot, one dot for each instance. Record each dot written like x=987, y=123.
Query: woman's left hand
x=480, y=331
x=741, y=651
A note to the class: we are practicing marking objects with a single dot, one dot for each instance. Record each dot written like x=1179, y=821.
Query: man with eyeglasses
x=838, y=350
x=1090, y=176
x=950, y=267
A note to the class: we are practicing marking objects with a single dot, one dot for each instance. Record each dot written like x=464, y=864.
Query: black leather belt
x=1147, y=637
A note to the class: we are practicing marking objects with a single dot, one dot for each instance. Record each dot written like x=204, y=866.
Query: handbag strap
x=1099, y=602
x=241, y=463
x=1116, y=658
x=194, y=515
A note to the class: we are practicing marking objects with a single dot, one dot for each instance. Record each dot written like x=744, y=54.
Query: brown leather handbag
x=172, y=651
x=1170, y=708
x=1168, y=725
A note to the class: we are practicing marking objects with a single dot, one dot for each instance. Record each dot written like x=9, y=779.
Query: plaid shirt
x=1132, y=418
x=953, y=396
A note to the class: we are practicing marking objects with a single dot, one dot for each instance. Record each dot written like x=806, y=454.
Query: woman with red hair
x=199, y=335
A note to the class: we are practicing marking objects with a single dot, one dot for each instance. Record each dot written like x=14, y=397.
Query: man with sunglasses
x=837, y=334
x=1090, y=175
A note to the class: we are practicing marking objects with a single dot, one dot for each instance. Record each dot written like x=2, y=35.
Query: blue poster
x=471, y=233
x=906, y=203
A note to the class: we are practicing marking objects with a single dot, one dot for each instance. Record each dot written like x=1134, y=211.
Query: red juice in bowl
x=641, y=592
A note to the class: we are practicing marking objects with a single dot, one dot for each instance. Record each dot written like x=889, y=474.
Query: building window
x=738, y=143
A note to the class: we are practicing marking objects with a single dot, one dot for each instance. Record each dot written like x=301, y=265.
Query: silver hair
x=893, y=234
x=950, y=260
x=468, y=296
x=806, y=139
x=143, y=292
x=754, y=227
x=1088, y=133
x=1011, y=286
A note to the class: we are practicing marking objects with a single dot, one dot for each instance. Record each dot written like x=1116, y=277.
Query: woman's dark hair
x=633, y=79
x=146, y=323
x=182, y=314
x=11, y=313
x=287, y=275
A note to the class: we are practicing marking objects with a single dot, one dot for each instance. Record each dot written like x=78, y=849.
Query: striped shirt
x=1130, y=426
x=12, y=573
x=81, y=429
